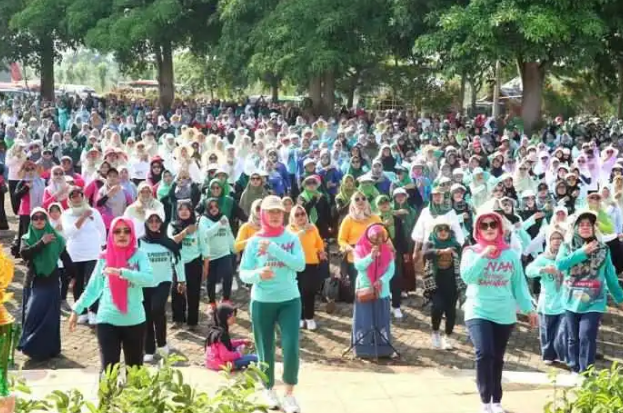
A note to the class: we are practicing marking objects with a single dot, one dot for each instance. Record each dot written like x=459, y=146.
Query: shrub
x=149, y=391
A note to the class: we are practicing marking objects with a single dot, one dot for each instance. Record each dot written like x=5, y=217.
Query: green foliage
x=599, y=392
x=149, y=391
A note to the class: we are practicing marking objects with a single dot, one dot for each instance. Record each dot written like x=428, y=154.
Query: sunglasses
x=488, y=225
x=29, y=169
x=300, y=214
x=443, y=229
x=523, y=169
x=213, y=206
x=256, y=178
x=38, y=218
x=124, y=231
x=58, y=174
x=359, y=199
x=154, y=220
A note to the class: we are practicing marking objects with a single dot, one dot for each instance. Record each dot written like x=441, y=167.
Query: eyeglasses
x=488, y=225
x=38, y=218
x=359, y=199
x=124, y=231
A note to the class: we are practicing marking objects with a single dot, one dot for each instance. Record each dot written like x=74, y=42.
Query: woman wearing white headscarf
x=57, y=190
x=144, y=202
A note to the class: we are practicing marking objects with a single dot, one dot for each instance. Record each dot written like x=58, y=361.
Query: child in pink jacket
x=221, y=350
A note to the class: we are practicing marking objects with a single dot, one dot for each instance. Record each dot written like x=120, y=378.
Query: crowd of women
x=133, y=212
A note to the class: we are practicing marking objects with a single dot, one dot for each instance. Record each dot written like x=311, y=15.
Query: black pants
x=24, y=222
x=4, y=225
x=616, y=252
x=309, y=282
x=64, y=283
x=294, y=187
x=112, y=339
x=221, y=269
x=83, y=271
x=444, y=302
x=395, y=284
x=180, y=302
x=15, y=200
x=154, y=302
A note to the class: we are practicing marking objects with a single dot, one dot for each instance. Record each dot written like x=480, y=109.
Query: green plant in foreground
x=601, y=391
x=149, y=391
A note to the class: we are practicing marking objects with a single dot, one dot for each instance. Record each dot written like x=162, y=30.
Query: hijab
x=356, y=213
x=442, y=208
x=388, y=216
x=267, y=230
x=499, y=242
x=160, y=237
x=364, y=246
x=163, y=188
x=345, y=194
x=218, y=332
x=45, y=261
x=118, y=257
x=438, y=243
x=207, y=212
x=225, y=202
x=179, y=224
x=254, y=214
x=250, y=195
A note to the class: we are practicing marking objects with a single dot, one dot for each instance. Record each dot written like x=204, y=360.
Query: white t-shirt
x=139, y=170
x=84, y=244
x=425, y=223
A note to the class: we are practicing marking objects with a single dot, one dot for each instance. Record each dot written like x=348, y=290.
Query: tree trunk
x=474, y=96
x=462, y=95
x=328, y=93
x=496, y=92
x=274, y=89
x=315, y=94
x=532, y=77
x=620, y=100
x=47, y=68
x=164, y=65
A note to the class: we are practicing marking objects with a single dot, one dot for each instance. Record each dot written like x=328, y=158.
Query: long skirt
x=41, y=318
x=370, y=319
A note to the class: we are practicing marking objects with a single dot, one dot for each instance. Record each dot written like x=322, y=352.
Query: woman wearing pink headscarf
x=117, y=281
x=374, y=262
x=496, y=286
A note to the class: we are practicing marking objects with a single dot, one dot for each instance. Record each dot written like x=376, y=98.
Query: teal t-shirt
x=139, y=274
x=218, y=236
x=495, y=287
x=550, y=298
x=587, y=294
x=162, y=263
x=363, y=281
x=193, y=245
x=284, y=256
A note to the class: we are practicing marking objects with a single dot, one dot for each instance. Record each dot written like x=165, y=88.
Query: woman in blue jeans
x=588, y=277
x=496, y=284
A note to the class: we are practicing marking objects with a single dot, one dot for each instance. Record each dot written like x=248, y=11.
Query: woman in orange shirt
x=309, y=279
x=353, y=226
x=249, y=228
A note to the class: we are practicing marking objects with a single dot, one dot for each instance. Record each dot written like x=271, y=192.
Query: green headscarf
x=408, y=221
x=163, y=189
x=440, y=209
x=307, y=196
x=438, y=244
x=345, y=194
x=225, y=202
x=388, y=216
x=370, y=191
x=404, y=181
x=46, y=260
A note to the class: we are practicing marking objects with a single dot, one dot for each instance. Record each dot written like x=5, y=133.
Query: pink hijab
x=364, y=247
x=499, y=241
x=268, y=231
x=117, y=257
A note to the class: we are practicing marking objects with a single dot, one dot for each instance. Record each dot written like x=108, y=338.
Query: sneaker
x=548, y=362
x=436, y=340
x=177, y=325
x=486, y=408
x=92, y=318
x=270, y=399
x=148, y=358
x=65, y=306
x=83, y=319
x=302, y=324
x=164, y=351
x=446, y=343
x=234, y=285
x=290, y=405
x=311, y=324
x=219, y=288
x=397, y=313
x=496, y=408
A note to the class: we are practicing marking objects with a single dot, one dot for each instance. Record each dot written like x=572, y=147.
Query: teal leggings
x=286, y=315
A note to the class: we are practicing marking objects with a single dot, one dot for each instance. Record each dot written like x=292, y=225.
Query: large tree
x=141, y=33
x=536, y=35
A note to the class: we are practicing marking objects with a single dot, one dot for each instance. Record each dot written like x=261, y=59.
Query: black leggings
x=179, y=301
x=112, y=339
x=154, y=302
x=444, y=302
x=15, y=200
x=83, y=271
x=4, y=225
x=309, y=283
x=221, y=269
x=616, y=254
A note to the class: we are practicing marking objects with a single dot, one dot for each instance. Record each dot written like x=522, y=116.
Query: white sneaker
x=164, y=351
x=311, y=324
x=486, y=408
x=496, y=408
x=83, y=319
x=446, y=343
x=234, y=285
x=397, y=313
x=290, y=405
x=302, y=324
x=219, y=288
x=148, y=358
x=92, y=318
x=270, y=399
x=436, y=340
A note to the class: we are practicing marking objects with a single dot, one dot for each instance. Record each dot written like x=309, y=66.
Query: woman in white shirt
x=85, y=232
x=15, y=158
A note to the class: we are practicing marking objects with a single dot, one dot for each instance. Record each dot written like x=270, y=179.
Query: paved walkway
x=324, y=389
